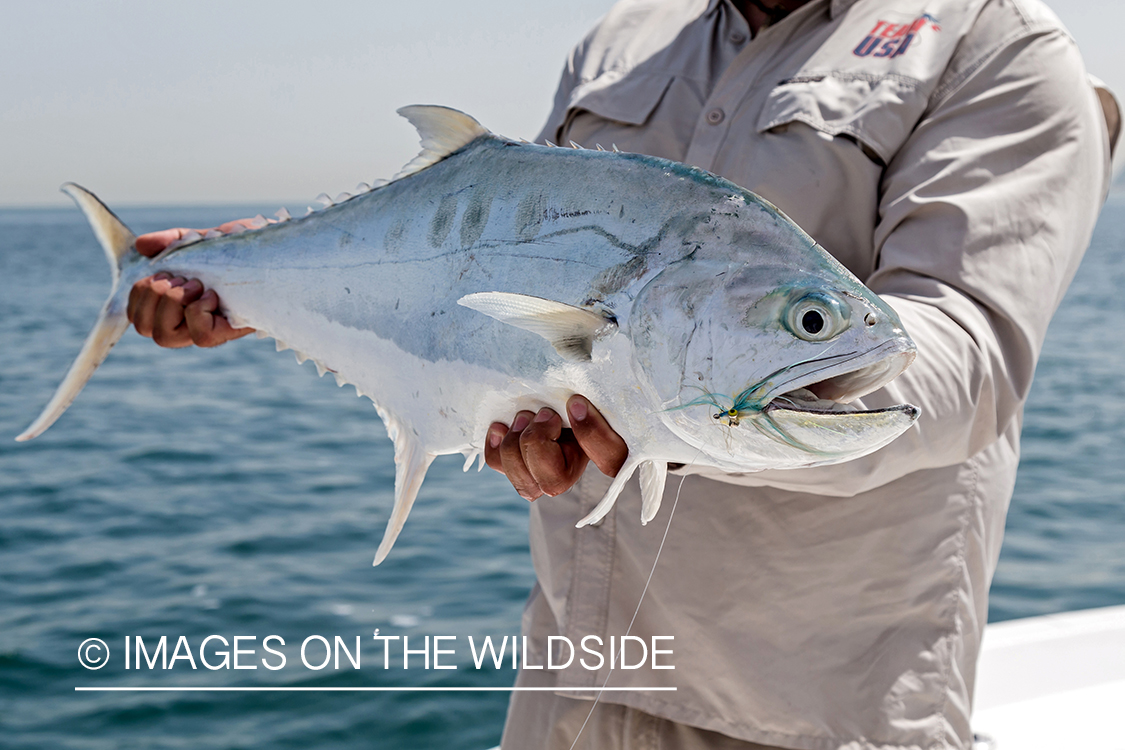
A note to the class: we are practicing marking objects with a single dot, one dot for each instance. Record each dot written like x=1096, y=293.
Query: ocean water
x=230, y=492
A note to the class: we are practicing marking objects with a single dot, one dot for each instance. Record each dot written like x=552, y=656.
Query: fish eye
x=812, y=322
x=817, y=316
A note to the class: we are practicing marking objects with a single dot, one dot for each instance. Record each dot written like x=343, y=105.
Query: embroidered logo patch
x=890, y=39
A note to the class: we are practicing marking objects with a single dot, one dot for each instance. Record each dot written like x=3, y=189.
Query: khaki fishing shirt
x=954, y=156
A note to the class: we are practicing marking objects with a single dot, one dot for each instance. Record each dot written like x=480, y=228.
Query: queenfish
x=493, y=275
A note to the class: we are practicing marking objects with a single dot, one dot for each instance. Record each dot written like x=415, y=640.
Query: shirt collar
x=834, y=9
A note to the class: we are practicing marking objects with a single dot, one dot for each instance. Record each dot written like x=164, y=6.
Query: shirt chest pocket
x=639, y=111
x=877, y=113
x=622, y=96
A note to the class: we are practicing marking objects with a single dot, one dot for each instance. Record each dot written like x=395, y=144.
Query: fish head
x=756, y=365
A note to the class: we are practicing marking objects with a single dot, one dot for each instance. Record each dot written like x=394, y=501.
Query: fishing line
x=628, y=630
x=644, y=591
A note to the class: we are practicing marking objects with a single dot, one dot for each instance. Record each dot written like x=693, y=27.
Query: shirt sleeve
x=985, y=213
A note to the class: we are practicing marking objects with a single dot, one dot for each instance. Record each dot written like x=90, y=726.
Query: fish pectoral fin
x=653, y=476
x=610, y=497
x=571, y=330
x=442, y=131
x=411, y=463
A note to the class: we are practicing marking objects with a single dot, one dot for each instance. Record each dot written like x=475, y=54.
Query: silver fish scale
x=550, y=223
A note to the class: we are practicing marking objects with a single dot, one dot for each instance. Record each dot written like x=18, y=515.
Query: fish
x=492, y=275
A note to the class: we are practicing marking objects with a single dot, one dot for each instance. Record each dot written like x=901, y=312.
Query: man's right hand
x=539, y=457
x=174, y=311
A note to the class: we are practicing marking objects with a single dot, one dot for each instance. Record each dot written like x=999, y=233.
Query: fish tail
x=119, y=244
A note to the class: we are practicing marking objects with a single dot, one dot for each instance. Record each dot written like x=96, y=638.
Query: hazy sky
x=215, y=102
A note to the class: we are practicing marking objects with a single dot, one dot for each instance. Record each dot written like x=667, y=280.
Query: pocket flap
x=877, y=111
x=623, y=96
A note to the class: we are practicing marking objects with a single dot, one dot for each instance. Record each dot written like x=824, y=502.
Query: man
x=954, y=157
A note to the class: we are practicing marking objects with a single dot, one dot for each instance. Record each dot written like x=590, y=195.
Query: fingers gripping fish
x=491, y=276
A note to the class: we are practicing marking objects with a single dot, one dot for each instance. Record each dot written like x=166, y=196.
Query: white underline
x=362, y=689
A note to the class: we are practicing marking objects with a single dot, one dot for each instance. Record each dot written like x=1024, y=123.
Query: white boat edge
x=1050, y=682
x=1053, y=681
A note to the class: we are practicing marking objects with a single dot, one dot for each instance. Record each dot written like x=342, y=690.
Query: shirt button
x=715, y=116
x=737, y=37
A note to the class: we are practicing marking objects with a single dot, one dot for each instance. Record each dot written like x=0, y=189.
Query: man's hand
x=540, y=458
x=177, y=312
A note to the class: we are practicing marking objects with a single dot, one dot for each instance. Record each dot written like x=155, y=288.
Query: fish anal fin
x=653, y=476
x=571, y=330
x=411, y=463
x=442, y=131
x=606, y=504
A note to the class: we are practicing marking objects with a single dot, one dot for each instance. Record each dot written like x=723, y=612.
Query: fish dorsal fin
x=442, y=131
x=653, y=476
x=411, y=463
x=571, y=330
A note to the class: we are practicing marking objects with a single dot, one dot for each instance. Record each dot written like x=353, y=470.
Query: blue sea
x=232, y=493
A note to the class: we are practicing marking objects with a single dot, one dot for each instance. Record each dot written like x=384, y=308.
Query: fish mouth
x=830, y=384
x=812, y=410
